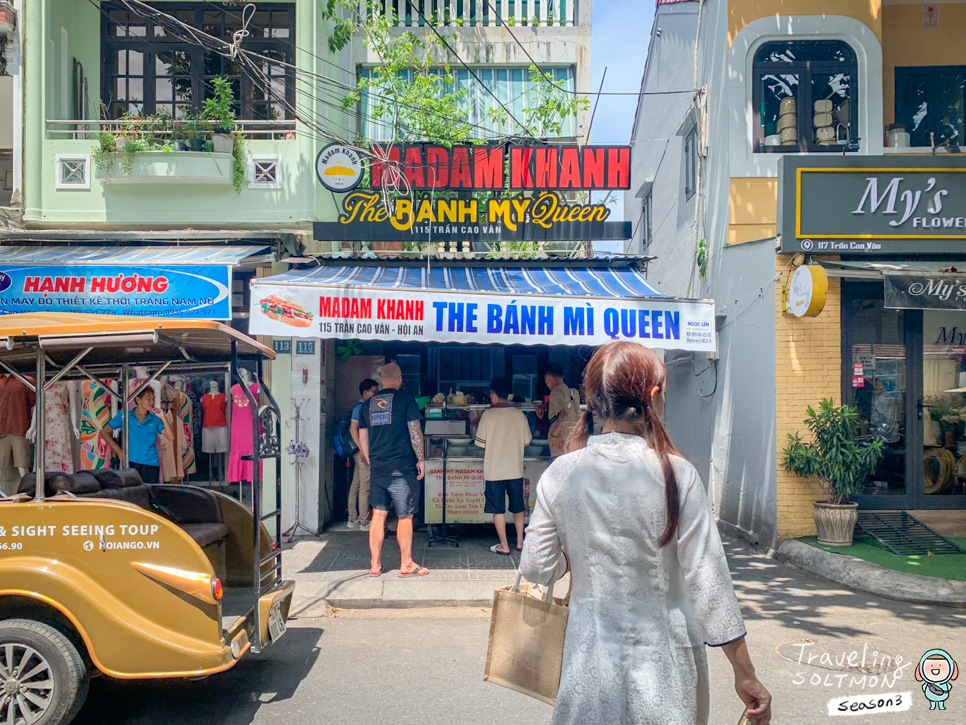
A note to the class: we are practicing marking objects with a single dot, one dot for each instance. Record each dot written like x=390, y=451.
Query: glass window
x=804, y=96
x=930, y=104
x=646, y=222
x=878, y=372
x=690, y=163
x=165, y=71
x=944, y=402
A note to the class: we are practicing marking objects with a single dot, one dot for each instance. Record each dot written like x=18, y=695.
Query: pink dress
x=241, y=434
x=57, y=432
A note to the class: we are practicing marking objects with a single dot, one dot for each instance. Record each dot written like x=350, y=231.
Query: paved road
x=425, y=666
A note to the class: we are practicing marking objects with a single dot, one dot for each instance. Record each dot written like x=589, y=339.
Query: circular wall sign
x=807, y=292
x=339, y=168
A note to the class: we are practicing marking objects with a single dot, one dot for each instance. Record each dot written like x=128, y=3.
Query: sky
x=621, y=30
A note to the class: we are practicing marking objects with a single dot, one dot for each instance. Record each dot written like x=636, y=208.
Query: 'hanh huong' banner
x=434, y=316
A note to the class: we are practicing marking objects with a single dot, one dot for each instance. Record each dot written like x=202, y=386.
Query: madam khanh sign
x=482, y=168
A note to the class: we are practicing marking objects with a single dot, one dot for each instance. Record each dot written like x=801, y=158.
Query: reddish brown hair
x=618, y=382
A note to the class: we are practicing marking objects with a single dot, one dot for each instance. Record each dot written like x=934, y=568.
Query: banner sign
x=925, y=292
x=872, y=205
x=433, y=316
x=545, y=217
x=466, y=488
x=197, y=292
x=425, y=167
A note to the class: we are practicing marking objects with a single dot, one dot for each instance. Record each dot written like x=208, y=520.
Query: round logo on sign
x=807, y=292
x=5, y=281
x=339, y=168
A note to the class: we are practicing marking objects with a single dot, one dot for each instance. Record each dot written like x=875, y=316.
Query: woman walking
x=651, y=585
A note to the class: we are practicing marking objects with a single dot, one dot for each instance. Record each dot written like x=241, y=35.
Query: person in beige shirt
x=562, y=410
x=503, y=433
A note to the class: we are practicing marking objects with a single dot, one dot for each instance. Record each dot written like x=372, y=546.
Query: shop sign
x=807, y=291
x=872, y=205
x=425, y=167
x=339, y=167
x=198, y=292
x=925, y=291
x=545, y=217
x=432, y=316
x=466, y=488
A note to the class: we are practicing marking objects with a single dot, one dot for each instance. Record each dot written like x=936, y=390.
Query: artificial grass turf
x=943, y=566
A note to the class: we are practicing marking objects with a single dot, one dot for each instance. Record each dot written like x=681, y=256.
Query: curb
x=312, y=607
x=864, y=576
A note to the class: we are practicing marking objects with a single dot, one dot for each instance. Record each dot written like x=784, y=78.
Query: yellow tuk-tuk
x=101, y=573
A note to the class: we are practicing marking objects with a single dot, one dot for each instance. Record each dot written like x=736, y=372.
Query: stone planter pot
x=223, y=143
x=835, y=523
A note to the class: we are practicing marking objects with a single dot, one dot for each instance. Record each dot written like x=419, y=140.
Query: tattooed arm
x=416, y=438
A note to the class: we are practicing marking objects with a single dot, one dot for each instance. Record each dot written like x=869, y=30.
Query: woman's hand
x=756, y=698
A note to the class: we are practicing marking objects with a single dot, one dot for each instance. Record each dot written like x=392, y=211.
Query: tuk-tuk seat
x=196, y=511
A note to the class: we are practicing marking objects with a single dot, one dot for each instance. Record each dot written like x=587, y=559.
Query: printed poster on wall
x=433, y=316
x=197, y=292
x=465, y=489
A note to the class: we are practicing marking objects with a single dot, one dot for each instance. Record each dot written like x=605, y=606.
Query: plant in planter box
x=839, y=461
x=218, y=111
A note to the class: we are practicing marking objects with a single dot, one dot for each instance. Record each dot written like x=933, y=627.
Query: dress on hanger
x=242, y=420
x=95, y=414
x=57, y=455
x=170, y=452
x=183, y=420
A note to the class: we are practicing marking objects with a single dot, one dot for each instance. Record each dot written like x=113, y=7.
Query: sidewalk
x=333, y=570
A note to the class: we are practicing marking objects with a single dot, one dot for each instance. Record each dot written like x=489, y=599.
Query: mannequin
x=214, y=430
x=242, y=421
x=17, y=403
x=60, y=416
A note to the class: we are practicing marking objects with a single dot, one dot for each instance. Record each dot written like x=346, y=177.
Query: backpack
x=342, y=440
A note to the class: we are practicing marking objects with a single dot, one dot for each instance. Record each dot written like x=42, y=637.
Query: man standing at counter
x=359, y=489
x=563, y=409
x=503, y=433
x=391, y=438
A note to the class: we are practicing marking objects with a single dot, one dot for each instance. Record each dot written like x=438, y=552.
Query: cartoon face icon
x=936, y=671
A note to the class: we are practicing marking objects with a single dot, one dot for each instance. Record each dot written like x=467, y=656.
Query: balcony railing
x=265, y=130
x=477, y=13
x=458, y=250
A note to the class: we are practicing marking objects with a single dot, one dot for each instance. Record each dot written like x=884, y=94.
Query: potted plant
x=839, y=461
x=218, y=112
x=198, y=132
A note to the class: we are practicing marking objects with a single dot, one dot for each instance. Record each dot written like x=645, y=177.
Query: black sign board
x=871, y=205
x=545, y=217
x=925, y=291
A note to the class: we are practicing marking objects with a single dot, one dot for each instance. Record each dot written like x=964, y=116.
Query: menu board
x=465, y=489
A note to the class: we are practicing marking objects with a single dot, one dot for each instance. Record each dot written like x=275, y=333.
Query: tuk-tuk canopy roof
x=117, y=339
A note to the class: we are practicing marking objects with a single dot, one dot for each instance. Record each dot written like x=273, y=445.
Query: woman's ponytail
x=581, y=432
x=661, y=443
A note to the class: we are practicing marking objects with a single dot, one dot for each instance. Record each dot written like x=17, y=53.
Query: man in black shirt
x=391, y=438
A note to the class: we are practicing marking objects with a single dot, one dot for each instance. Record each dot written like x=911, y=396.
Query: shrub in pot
x=218, y=112
x=839, y=461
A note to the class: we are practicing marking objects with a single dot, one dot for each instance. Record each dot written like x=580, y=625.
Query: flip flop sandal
x=418, y=571
x=495, y=550
x=372, y=570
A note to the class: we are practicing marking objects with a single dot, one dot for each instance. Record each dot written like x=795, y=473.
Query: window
x=146, y=69
x=930, y=103
x=510, y=85
x=73, y=171
x=265, y=172
x=646, y=222
x=804, y=96
x=690, y=163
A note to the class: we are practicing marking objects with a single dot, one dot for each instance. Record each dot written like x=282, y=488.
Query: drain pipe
x=699, y=161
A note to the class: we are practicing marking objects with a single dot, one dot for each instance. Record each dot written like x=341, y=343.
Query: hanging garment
x=184, y=418
x=196, y=416
x=170, y=452
x=95, y=414
x=242, y=419
x=57, y=455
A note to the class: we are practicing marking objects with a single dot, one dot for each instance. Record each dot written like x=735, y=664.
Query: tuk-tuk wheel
x=43, y=679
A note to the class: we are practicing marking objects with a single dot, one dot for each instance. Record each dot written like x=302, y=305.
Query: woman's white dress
x=640, y=615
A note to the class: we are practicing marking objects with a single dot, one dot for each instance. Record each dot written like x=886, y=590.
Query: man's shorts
x=397, y=491
x=496, y=493
x=14, y=451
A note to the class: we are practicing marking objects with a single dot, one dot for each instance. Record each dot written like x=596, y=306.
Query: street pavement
x=425, y=665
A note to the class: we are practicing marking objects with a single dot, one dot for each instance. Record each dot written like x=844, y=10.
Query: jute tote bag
x=525, y=649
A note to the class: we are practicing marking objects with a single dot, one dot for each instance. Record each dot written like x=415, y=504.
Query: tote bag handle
x=548, y=597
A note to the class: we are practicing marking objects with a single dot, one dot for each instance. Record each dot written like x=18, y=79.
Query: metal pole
x=125, y=397
x=41, y=486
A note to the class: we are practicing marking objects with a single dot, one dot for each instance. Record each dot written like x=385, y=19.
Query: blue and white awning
x=519, y=304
